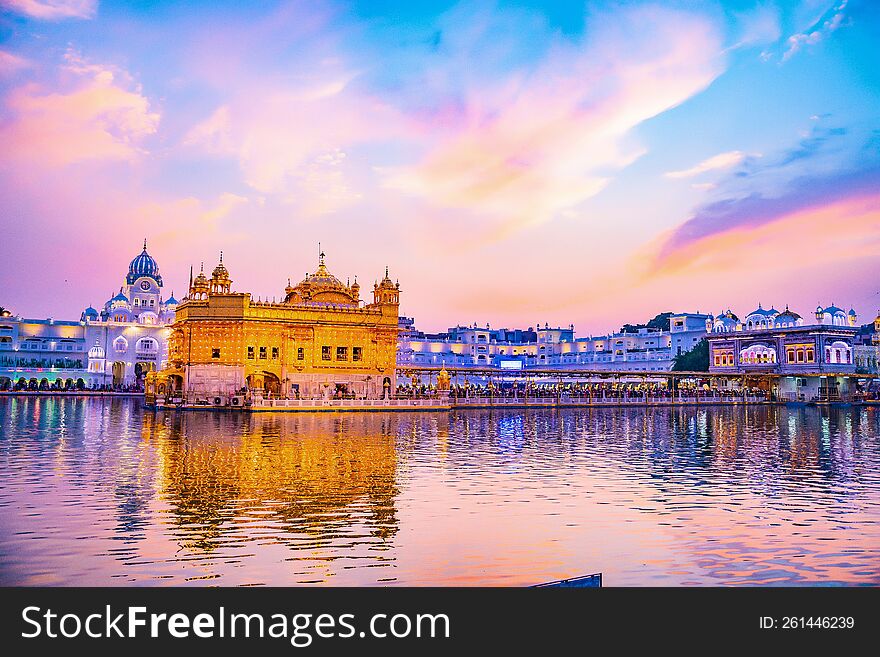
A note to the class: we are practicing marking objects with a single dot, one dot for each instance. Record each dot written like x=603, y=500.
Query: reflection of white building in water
x=112, y=347
x=646, y=349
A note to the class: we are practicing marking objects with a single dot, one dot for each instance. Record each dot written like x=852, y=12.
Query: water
x=101, y=492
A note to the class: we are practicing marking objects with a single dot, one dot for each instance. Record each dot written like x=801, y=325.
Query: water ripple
x=100, y=492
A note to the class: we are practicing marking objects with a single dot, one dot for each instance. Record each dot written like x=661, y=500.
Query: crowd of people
x=64, y=385
x=589, y=390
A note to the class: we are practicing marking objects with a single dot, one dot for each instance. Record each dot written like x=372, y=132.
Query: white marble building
x=514, y=349
x=129, y=336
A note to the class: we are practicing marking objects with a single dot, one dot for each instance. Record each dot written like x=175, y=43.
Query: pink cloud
x=53, y=9
x=95, y=113
x=723, y=269
x=10, y=64
x=720, y=161
x=743, y=249
x=294, y=143
x=102, y=215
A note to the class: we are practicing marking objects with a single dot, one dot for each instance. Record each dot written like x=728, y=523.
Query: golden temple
x=321, y=342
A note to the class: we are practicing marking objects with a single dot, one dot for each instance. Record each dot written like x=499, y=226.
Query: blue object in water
x=583, y=582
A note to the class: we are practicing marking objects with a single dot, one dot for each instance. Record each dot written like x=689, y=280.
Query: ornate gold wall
x=318, y=341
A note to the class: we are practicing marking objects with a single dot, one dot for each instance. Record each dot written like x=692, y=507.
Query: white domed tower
x=760, y=318
x=788, y=319
x=143, y=288
x=833, y=316
x=725, y=322
x=167, y=309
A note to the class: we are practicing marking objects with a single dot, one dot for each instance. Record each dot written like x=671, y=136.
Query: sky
x=512, y=163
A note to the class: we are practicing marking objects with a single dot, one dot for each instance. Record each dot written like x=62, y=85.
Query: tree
x=660, y=322
x=695, y=360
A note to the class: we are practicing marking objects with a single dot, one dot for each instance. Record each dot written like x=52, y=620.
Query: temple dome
x=89, y=314
x=763, y=311
x=320, y=287
x=787, y=318
x=220, y=272
x=143, y=265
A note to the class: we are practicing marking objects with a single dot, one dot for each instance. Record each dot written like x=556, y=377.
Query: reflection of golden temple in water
x=316, y=478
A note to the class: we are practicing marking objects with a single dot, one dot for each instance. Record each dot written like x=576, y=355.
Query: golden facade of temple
x=322, y=341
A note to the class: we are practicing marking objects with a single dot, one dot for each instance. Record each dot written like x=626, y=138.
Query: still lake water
x=102, y=492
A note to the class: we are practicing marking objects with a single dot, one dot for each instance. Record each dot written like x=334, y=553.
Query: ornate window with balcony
x=757, y=354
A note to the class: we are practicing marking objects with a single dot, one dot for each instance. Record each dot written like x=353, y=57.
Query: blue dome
x=143, y=265
x=119, y=297
x=763, y=311
x=90, y=312
x=834, y=310
x=787, y=317
x=171, y=301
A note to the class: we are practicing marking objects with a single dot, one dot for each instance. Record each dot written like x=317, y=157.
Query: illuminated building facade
x=866, y=351
x=772, y=343
x=321, y=341
x=763, y=318
x=114, y=347
x=37, y=354
x=646, y=349
x=129, y=336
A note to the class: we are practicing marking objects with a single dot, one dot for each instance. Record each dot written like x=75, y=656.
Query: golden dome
x=201, y=280
x=386, y=291
x=220, y=272
x=321, y=287
x=387, y=283
x=199, y=287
